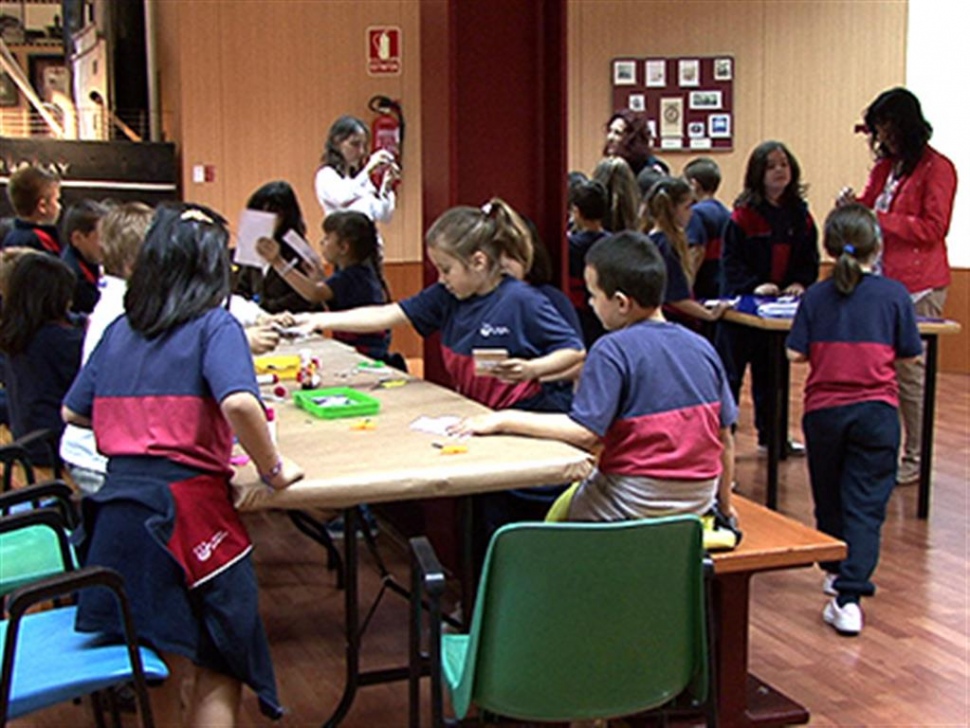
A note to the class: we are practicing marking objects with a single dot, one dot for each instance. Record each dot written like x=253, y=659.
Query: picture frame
x=712, y=99
x=719, y=126
x=655, y=72
x=637, y=102
x=723, y=69
x=624, y=73
x=696, y=129
x=689, y=72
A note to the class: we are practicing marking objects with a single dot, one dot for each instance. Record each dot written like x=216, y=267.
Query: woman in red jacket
x=911, y=189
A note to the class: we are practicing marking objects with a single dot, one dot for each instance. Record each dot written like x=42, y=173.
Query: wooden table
x=776, y=330
x=346, y=467
x=771, y=542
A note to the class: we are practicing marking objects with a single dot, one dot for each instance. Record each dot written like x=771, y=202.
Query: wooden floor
x=908, y=668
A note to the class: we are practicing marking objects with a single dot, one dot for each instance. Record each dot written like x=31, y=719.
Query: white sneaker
x=828, y=584
x=846, y=620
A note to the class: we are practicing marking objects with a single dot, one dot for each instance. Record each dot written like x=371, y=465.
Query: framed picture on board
x=624, y=73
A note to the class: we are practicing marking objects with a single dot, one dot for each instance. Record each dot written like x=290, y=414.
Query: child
x=35, y=195
x=476, y=306
x=622, y=194
x=42, y=344
x=654, y=393
x=165, y=389
x=587, y=208
x=851, y=329
x=670, y=201
x=705, y=231
x=122, y=231
x=270, y=291
x=770, y=249
x=83, y=252
x=350, y=245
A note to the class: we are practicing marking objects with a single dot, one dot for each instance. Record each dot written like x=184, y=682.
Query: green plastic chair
x=33, y=539
x=573, y=621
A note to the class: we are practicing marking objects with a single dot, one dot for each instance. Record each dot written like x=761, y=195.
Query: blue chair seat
x=55, y=663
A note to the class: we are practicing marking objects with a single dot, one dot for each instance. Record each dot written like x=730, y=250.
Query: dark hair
x=901, y=112
x=495, y=229
x=280, y=198
x=360, y=234
x=38, y=293
x=27, y=188
x=344, y=127
x=705, y=172
x=539, y=273
x=182, y=269
x=851, y=235
x=662, y=200
x=574, y=178
x=622, y=193
x=630, y=263
x=590, y=198
x=754, y=177
x=647, y=178
x=82, y=217
x=637, y=141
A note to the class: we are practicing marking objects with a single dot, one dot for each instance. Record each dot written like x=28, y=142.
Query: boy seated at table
x=652, y=392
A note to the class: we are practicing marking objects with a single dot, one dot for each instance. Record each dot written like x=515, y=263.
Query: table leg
x=743, y=700
x=926, y=436
x=777, y=410
x=351, y=619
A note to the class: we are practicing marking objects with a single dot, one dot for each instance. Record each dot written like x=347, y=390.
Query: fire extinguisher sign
x=383, y=50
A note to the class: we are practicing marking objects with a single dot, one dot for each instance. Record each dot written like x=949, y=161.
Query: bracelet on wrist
x=268, y=476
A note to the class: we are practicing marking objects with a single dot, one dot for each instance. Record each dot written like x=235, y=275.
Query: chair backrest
x=33, y=545
x=579, y=621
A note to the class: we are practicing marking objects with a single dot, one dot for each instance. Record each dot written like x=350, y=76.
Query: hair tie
x=196, y=214
x=849, y=249
x=488, y=208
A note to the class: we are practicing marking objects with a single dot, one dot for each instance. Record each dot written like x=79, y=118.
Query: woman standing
x=628, y=136
x=911, y=189
x=343, y=181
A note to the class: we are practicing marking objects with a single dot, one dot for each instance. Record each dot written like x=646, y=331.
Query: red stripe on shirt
x=489, y=391
x=185, y=429
x=846, y=373
x=682, y=444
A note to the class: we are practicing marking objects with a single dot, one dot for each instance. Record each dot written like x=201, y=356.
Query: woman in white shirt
x=343, y=181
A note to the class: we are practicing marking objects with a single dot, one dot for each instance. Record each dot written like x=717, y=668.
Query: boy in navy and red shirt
x=587, y=207
x=83, y=252
x=852, y=328
x=707, y=222
x=653, y=393
x=35, y=195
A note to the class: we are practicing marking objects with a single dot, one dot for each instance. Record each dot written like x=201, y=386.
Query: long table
x=382, y=459
x=776, y=330
x=347, y=466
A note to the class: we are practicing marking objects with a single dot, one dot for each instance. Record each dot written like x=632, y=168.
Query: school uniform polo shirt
x=514, y=316
x=853, y=341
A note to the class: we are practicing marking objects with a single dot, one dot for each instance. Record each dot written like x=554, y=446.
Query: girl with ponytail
x=852, y=329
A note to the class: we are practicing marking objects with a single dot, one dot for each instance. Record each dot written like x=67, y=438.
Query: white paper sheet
x=253, y=225
x=302, y=247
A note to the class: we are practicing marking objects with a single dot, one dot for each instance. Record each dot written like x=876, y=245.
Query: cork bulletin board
x=688, y=101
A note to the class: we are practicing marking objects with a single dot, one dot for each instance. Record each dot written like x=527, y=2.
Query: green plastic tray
x=335, y=402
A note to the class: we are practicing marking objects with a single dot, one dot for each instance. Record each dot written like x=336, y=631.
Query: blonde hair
x=123, y=231
x=495, y=229
x=622, y=194
x=8, y=259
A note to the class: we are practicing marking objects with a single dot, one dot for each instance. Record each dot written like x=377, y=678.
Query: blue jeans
x=852, y=454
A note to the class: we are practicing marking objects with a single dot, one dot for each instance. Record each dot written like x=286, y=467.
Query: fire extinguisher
x=386, y=131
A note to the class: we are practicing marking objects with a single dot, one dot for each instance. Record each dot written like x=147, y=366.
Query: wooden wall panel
x=955, y=350
x=256, y=98
x=803, y=73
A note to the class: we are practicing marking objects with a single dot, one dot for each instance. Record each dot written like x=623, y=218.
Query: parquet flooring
x=910, y=666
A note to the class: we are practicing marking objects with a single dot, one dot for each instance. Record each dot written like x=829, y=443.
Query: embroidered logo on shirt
x=203, y=551
x=489, y=330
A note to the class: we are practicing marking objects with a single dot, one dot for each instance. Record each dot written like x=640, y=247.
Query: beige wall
x=804, y=70
x=252, y=87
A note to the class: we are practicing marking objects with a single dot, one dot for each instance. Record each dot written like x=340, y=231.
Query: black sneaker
x=335, y=528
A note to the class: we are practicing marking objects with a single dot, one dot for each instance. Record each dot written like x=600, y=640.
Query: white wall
x=937, y=57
